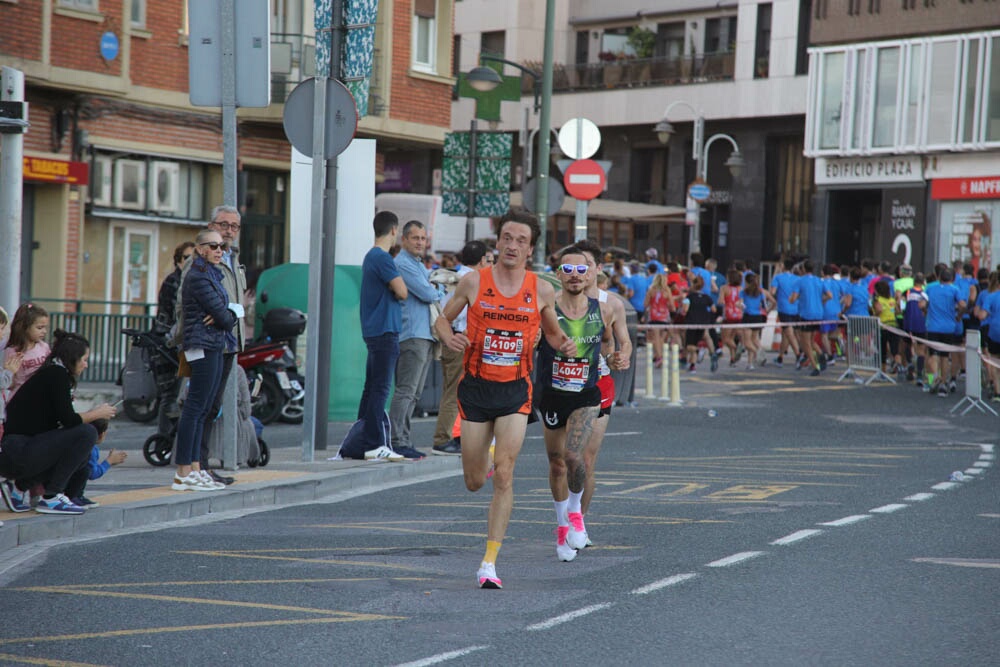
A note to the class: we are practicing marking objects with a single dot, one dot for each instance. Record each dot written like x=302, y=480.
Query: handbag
x=183, y=367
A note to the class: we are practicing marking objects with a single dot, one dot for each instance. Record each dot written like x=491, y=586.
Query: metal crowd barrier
x=973, y=376
x=864, y=350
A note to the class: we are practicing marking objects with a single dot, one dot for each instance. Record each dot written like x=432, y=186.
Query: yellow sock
x=492, y=548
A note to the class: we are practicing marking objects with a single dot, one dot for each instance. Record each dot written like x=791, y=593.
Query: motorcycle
x=270, y=360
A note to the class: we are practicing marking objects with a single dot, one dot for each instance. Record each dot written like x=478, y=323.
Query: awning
x=608, y=209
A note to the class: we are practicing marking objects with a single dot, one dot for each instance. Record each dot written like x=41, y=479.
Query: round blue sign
x=699, y=191
x=109, y=46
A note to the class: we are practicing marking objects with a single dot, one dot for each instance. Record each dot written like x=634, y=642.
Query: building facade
x=120, y=167
x=904, y=123
x=741, y=66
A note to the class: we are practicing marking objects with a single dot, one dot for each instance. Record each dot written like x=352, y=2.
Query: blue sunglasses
x=579, y=268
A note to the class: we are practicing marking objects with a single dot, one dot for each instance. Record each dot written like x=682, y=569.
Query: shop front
x=967, y=208
x=870, y=207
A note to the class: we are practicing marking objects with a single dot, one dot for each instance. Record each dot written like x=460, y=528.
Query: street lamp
x=665, y=129
x=484, y=79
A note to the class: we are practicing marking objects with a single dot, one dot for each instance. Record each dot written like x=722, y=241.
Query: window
x=83, y=5
x=830, y=102
x=615, y=40
x=720, y=35
x=886, y=85
x=858, y=103
x=911, y=120
x=493, y=43
x=582, y=50
x=669, y=40
x=762, y=50
x=802, y=39
x=942, y=92
x=969, y=98
x=993, y=94
x=138, y=13
x=424, y=35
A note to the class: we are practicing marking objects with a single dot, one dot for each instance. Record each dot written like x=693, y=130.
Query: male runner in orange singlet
x=507, y=305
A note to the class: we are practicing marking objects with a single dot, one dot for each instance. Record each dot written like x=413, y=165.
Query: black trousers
x=213, y=414
x=51, y=458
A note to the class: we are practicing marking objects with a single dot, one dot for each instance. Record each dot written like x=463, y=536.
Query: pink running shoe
x=564, y=552
x=487, y=576
x=577, y=538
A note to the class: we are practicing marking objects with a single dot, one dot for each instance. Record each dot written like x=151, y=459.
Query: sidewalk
x=136, y=494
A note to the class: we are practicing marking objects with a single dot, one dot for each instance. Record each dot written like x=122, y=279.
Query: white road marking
x=443, y=657
x=944, y=486
x=606, y=435
x=961, y=562
x=888, y=509
x=847, y=520
x=663, y=583
x=797, y=536
x=990, y=516
x=986, y=457
x=986, y=448
x=566, y=618
x=981, y=464
x=973, y=471
x=917, y=497
x=735, y=558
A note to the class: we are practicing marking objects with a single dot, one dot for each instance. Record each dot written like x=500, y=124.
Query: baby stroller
x=149, y=376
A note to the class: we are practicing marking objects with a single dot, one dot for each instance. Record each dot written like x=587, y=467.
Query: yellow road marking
x=110, y=634
x=192, y=600
x=717, y=380
x=248, y=477
x=224, y=582
x=749, y=492
x=393, y=529
x=324, y=561
x=11, y=658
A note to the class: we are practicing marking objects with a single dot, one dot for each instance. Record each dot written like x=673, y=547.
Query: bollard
x=665, y=374
x=650, y=389
x=675, y=378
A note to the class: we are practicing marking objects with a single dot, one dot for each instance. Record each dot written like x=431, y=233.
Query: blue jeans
x=206, y=375
x=382, y=354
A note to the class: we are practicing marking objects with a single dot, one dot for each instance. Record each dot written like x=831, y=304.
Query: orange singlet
x=502, y=330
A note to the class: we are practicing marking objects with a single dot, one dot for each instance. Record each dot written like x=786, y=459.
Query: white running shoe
x=383, y=453
x=577, y=537
x=190, y=482
x=487, y=576
x=207, y=479
x=564, y=552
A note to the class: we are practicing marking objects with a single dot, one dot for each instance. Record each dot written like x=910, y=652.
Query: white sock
x=562, y=512
x=575, y=501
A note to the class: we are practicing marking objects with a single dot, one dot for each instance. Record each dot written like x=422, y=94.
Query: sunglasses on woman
x=212, y=244
x=568, y=269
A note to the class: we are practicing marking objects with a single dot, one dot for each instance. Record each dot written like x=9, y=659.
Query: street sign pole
x=470, y=214
x=229, y=198
x=544, y=142
x=11, y=182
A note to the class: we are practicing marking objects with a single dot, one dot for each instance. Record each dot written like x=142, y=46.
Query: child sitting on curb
x=95, y=468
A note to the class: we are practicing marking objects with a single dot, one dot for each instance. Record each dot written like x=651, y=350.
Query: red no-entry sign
x=584, y=179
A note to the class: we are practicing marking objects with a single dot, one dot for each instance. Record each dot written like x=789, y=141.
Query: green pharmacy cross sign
x=491, y=164
x=488, y=102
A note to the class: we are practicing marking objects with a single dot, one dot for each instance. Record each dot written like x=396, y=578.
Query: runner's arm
x=619, y=331
x=553, y=333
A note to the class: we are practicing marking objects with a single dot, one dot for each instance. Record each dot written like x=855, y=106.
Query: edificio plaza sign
x=869, y=170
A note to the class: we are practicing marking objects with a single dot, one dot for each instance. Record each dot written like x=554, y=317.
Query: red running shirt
x=502, y=330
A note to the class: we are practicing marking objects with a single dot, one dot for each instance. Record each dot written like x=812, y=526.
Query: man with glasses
x=474, y=256
x=226, y=221
x=570, y=398
x=507, y=305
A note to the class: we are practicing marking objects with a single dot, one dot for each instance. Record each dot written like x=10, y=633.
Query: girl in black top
x=46, y=442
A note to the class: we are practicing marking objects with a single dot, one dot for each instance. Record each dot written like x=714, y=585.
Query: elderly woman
x=208, y=330
x=46, y=443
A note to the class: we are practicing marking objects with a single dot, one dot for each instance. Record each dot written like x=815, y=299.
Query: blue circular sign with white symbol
x=699, y=191
x=109, y=46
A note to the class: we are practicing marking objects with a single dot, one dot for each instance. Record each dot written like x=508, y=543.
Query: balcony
x=636, y=72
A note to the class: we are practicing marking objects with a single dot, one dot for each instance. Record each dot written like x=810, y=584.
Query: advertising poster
x=903, y=226
x=967, y=233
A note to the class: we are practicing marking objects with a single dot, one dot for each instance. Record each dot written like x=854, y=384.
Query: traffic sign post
x=584, y=180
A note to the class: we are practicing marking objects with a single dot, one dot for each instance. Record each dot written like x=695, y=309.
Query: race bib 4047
x=570, y=374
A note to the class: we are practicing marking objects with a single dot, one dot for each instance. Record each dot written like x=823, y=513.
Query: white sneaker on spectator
x=383, y=453
x=190, y=482
x=207, y=479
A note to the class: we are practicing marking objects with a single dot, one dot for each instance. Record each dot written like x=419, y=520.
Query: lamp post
x=699, y=152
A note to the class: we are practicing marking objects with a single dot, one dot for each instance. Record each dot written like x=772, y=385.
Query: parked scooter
x=271, y=359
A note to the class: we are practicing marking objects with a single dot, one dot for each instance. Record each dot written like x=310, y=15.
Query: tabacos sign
x=55, y=171
x=888, y=169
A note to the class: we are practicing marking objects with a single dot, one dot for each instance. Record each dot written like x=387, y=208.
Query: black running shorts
x=484, y=401
x=556, y=406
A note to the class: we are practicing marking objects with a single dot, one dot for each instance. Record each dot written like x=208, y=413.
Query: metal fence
x=864, y=349
x=101, y=323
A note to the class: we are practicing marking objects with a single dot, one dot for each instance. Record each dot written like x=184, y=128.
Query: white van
x=446, y=232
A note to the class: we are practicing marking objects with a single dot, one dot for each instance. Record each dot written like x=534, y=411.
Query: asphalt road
x=807, y=523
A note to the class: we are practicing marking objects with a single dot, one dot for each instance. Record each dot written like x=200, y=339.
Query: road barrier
x=864, y=349
x=973, y=376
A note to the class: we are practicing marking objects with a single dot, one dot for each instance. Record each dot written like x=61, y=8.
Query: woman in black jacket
x=46, y=442
x=208, y=330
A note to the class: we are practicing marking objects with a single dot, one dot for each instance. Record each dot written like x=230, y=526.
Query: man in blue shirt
x=944, y=311
x=988, y=311
x=783, y=285
x=416, y=342
x=810, y=296
x=382, y=289
x=638, y=284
